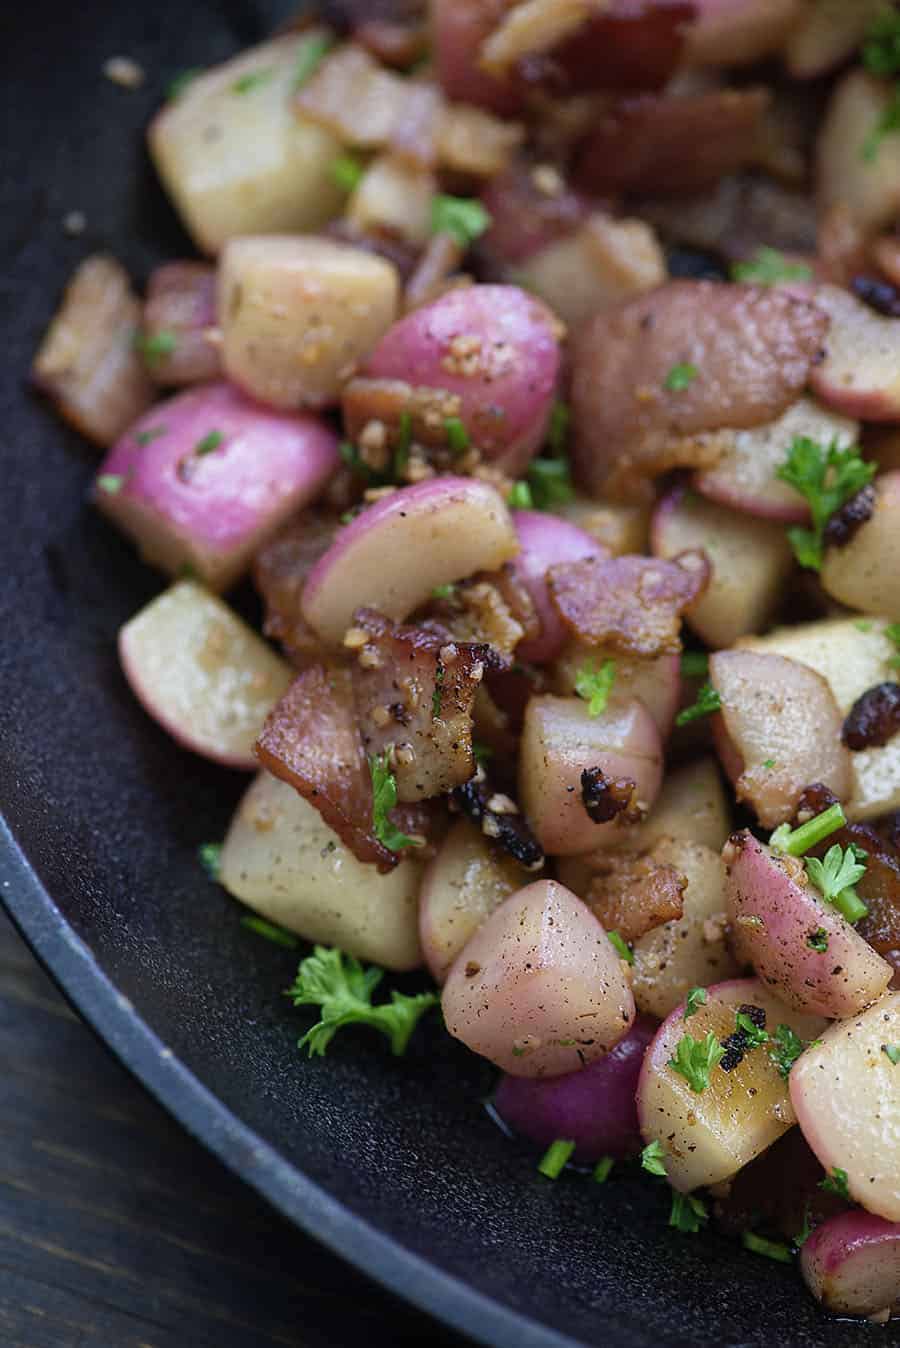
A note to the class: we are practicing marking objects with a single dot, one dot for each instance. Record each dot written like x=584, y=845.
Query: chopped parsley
x=680, y=377
x=156, y=346
x=178, y=83
x=694, y=1060
x=277, y=935
x=881, y=46
x=695, y=999
x=888, y=123
x=836, y=1183
x=111, y=483
x=891, y=1052
x=457, y=435
x=796, y=841
x=892, y=632
x=346, y=172
x=152, y=433
x=254, y=79
x=864, y=625
x=558, y=429
x=785, y=1048
x=210, y=855
x=595, y=685
x=805, y=1231
x=555, y=1158
x=464, y=218
x=621, y=946
x=519, y=497
x=443, y=592
x=772, y=1249
x=707, y=702
x=768, y=267
x=384, y=798
x=438, y=691
x=818, y=940
x=753, y=1035
x=550, y=483
x=694, y=664
x=310, y=55
x=688, y=1213
x=342, y=988
x=653, y=1159
x=835, y=877
x=826, y=479
x=769, y=763
x=404, y=441
x=209, y=442
x=602, y=1169
x=481, y=752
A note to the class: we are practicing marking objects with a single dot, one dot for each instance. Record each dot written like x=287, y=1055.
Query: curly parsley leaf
x=695, y=999
x=818, y=940
x=595, y=685
x=653, y=1159
x=754, y=1035
x=688, y=1213
x=680, y=377
x=835, y=877
x=694, y=1060
x=826, y=479
x=768, y=267
x=464, y=218
x=708, y=701
x=785, y=1048
x=342, y=988
x=836, y=1183
x=384, y=798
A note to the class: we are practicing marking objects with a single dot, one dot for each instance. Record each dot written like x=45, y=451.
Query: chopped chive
x=252, y=80
x=111, y=483
x=555, y=1158
x=457, y=435
x=772, y=1249
x=277, y=935
x=621, y=946
x=310, y=56
x=209, y=442
x=602, y=1169
x=209, y=856
x=346, y=172
x=798, y=841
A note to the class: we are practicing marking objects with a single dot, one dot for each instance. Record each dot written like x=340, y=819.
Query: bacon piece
x=500, y=820
x=279, y=573
x=415, y=691
x=181, y=301
x=749, y=349
x=385, y=402
x=635, y=45
x=312, y=741
x=741, y=214
x=632, y=894
x=874, y=718
x=630, y=604
x=655, y=143
x=606, y=798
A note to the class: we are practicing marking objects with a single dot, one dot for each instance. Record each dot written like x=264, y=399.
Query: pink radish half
x=851, y=1263
x=545, y=540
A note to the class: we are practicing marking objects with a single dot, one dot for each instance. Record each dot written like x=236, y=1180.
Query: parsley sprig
x=653, y=1159
x=595, y=685
x=835, y=877
x=826, y=479
x=688, y=1213
x=785, y=1048
x=696, y=998
x=836, y=1183
x=384, y=798
x=343, y=989
x=708, y=701
x=694, y=1060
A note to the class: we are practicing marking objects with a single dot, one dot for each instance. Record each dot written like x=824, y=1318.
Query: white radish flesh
x=864, y=572
x=860, y=375
x=869, y=187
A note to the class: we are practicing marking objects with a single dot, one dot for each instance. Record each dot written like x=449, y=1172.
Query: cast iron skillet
x=393, y=1163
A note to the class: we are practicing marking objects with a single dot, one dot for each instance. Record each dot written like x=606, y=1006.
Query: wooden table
x=118, y=1231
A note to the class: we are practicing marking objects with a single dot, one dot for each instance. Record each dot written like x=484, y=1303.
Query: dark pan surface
x=393, y=1163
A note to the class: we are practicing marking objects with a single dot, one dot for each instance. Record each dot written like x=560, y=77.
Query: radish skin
x=851, y=1263
x=544, y=541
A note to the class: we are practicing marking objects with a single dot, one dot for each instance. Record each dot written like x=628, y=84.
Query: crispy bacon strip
x=279, y=573
x=632, y=894
x=630, y=604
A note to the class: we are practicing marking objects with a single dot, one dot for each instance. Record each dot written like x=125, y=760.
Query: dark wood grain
x=118, y=1231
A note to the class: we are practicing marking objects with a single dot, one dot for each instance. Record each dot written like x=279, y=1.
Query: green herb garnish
x=688, y=1213
x=595, y=685
x=177, y=85
x=384, y=798
x=404, y=442
x=457, y=435
x=826, y=479
x=891, y=1052
x=772, y=1249
x=795, y=842
x=277, y=935
x=653, y=1159
x=892, y=632
x=768, y=267
x=754, y=1035
x=694, y=664
x=481, y=752
x=310, y=56
x=888, y=123
x=550, y=483
x=695, y=999
x=785, y=1048
x=464, y=218
x=769, y=763
x=555, y=1158
x=621, y=946
x=443, y=592
x=519, y=497
x=111, y=483
x=438, y=691
x=680, y=377
x=343, y=989
x=254, y=79
x=836, y=1183
x=805, y=1231
x=835, y=877
x=346, y=172
x=818, y=940
x=602, y=1169
x=156, y=346
x=152, y=433
x=694, y=1060
x=708, y=701
x=209, y=442
x=210, y=855
x=558, y=429
x=881, y=46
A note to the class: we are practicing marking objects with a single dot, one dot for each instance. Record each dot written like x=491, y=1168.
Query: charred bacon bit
x=630, y=604
x=874, y=718
x=181, y=301
x=311, y=741
x=632, y=894
x=414, y=692
x=606, y=798
x=88, y=363
x=636, y=45
x=657, y=143
x=845, y=522
x=280, y=569
x=507, y=828
x=880, y=295
x=736, y=1044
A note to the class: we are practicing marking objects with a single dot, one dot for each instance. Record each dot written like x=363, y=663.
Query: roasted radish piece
x=750, y=560
x=298, y=315
x=844, y=1090
x=202, y=673
x=856, y=168
x=851, y=1263
x=745, y=476
x=779, y=730
x=395, y=197
x=544, y=541
x=539, y=989
x=88, y=363
x=739, y=32
x=689, y=951
x=595, y=1107
x=179, y=336
x=495, y=349
x=827, y=35
x=655, y=682
x=853, y=656
x=393, y=555
x=204, y=479
x=244, y=162
x=860, y=375
x=711, y=1122
x=620, y=528
x=562, y=744
x=691, y=807
x=283, y=860
x=799, y=944
x=864, y=571
x=461, y=887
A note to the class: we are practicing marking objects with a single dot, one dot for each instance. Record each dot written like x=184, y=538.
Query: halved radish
x=710, y=1135
x=396, y=552
x=560, y=742
x=202, y=673
x=827, y=35
x=851, y=1263
x=461, y=886
x=860, y=375
x=797, y=943
x=544, y=541
x=864, y=181
x=655, y=682
x=539, y=988
x=621, y=528
x=864, y=572
x=846, y=1092
x=282, y=860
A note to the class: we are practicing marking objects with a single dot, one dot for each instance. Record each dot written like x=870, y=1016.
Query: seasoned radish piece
x=779, y=729
x=392, y=556
x=299, y=314
x=745, y=476
x=202, y=673
x=853, y=655
x=594, y=1108
x=461, y=886
x=797, y=943
x=246, y=163
x=691, y=807
x=539, y=988
x=282, y=860
x=620, y=528
x=204, y=479
x=690, y=951
x=561, y=742
x=709, y=1136
x=869, y=188
x=860, y=375
x=393, y=196
x=496, y=349
x=544, y=541
x=864, y=572
x=851, y=1263
x=845, y=1092
x=750, y=560
x=827, y=35
x=656, y=682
